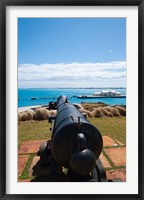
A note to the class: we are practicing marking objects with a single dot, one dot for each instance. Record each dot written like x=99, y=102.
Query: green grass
x=33, y=130
x=115, y=127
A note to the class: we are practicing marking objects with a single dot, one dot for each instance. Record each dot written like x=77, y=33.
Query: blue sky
x=71, y=52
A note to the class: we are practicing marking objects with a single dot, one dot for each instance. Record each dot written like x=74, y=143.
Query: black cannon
x=75, y=145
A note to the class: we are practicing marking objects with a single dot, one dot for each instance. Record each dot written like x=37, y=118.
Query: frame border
x=3, y=5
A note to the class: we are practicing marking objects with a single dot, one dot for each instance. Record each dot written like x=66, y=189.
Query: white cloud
x=73, y=74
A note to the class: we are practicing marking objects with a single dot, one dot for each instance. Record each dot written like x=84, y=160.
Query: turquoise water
x=44, y=96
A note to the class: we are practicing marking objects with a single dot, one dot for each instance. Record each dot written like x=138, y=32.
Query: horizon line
x=75, y=88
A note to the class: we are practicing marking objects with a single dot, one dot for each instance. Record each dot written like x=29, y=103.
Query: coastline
x=26, y=108
x=30, y=97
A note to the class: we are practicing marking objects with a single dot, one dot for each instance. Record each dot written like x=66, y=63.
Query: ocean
x=31, y=97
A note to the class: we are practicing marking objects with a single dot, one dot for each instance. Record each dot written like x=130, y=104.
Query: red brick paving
x=25, y=180
x=22, y=160
x=29, y=142
x=120, y=143
x=118, y=173
x=117, y=155
x=104, y=161
x=107, y=141
x=30, y=146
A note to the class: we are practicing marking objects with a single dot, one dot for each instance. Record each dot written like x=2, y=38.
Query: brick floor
x=22, y=160
x=107, y=141
x=117, y=155
x=25, y=180
x=116, y=152
x=118, y=173
x=120, y=143
x=30, y=146
x=104, y=161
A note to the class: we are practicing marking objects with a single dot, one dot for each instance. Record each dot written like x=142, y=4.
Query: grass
x=115, y=127
x=33, y=130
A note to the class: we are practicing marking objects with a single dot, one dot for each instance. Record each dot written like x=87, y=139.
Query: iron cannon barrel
x=61, y=100
x=76, y=143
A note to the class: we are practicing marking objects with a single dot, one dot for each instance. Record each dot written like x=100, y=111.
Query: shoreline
x=32, y=107
x=26, y=108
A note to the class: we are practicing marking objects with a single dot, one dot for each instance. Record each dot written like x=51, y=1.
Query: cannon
x=75, y=145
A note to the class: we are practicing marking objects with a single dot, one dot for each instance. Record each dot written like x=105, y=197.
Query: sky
x=71, y=52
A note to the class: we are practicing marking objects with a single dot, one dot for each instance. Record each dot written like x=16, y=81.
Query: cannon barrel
x=76, y=144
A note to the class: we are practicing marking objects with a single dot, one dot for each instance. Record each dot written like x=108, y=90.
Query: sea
x=33, y=97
